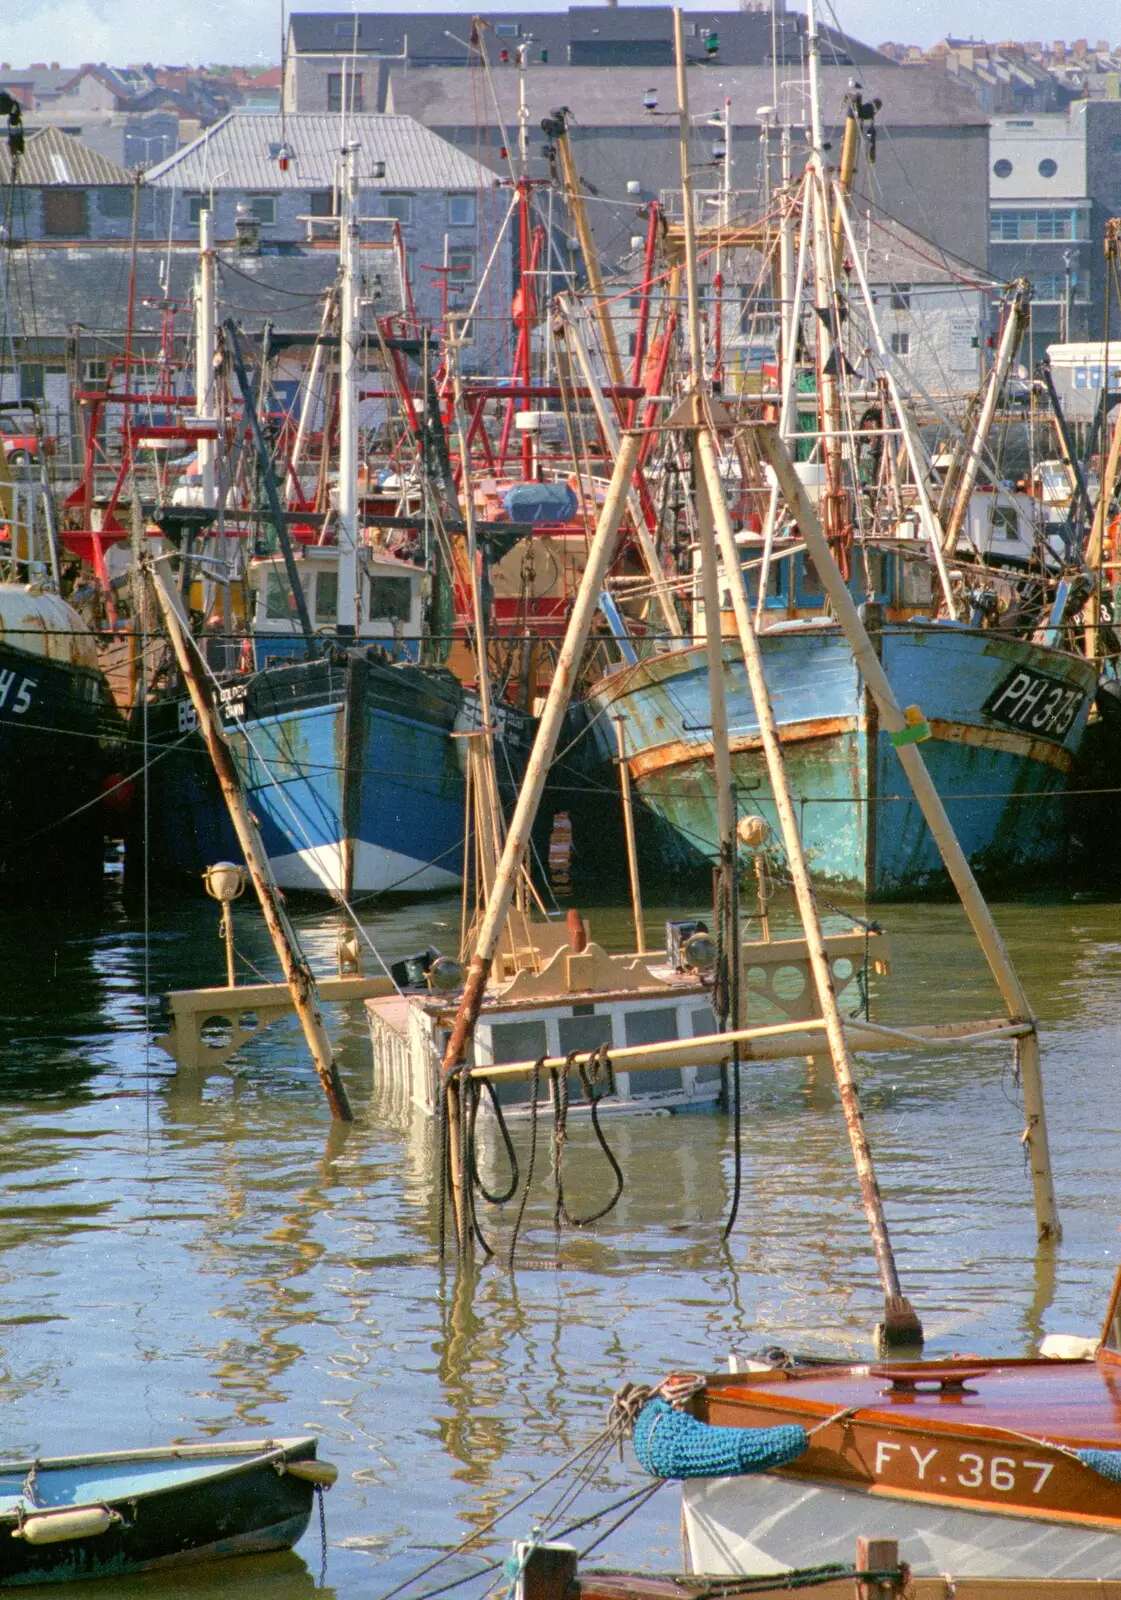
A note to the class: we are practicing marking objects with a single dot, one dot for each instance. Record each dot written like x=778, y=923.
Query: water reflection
x=191, y=1255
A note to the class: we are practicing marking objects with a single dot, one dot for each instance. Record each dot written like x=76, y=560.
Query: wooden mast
x=297, y=973
x=930, y=802
x=900, y=1325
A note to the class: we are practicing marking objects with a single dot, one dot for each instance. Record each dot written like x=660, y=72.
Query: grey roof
x=88, y=283
x=745, y=36
x=893, y=253
x=446, y=98
x=240, y=152
x=53, y=158
x=46, y=82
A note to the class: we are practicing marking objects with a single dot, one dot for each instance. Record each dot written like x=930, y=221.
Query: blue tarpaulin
x=540, y=502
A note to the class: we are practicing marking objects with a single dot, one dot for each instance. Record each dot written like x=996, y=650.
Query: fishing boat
x=1006, y=718
x=61, y=739
x=984, y=1468
x=73, y=1518
x=351, y=750
x=1000, y=685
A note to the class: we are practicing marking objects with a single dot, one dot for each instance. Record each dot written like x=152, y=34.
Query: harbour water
x=203, y=1256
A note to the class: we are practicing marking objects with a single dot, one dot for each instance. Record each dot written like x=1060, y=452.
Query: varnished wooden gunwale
x=637, y=1586
x=1001, y=1445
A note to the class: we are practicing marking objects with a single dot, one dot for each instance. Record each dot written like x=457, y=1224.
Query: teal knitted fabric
x=1106, y=1462
x=671, y=1444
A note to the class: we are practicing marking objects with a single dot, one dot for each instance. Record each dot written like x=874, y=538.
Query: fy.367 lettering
x=968, y=1469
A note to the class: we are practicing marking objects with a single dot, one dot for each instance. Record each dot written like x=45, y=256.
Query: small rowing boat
x=101, y=1516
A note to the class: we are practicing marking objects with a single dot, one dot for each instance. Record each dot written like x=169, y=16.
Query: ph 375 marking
x=970, y=1470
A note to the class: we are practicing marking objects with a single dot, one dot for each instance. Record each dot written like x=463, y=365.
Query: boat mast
x=1015, y=327
x=830, y=355
x=205, y=348
x=349, y=336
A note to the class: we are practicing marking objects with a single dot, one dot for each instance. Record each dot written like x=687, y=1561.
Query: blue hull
x=1006, y=717
x=354, y=771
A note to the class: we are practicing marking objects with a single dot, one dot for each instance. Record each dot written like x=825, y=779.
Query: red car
x=20, y=441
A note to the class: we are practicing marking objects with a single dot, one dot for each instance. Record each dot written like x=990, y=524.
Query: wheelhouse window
x=327, y=597
x=280, y=602
x=1006, y=524
x=391, y=600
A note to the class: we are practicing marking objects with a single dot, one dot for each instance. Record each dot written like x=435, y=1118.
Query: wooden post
x=877, y=1555
x=628, y=828
x=544, y=746
x=901, y=1325
x=930, y=803
x=228, y=941
x=297, y=973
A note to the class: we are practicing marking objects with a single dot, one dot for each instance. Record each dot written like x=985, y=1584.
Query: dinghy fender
x=56, y=1526
x=672, y=1444
x=322, y=1473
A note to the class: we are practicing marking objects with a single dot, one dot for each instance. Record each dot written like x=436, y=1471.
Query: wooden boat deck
x=1074, y=1403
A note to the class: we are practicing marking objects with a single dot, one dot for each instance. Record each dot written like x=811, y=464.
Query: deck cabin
x=391, y=595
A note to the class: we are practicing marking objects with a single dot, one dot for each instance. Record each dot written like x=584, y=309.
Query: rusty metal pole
x=628, y=829
x=930, y=803
x=901, y=1325
x=297, y=973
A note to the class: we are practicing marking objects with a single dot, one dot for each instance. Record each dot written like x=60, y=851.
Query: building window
x=263, y=207
x=335, y=91
x=901, y=297
x=461, y=268
x=461, y=210
x=1048, y=168
x=322, y=203
x=1047, y=227
x=30, y=382
x=1050, y=288
x=397, y=206
x=901, y=344
x=508, y=30
x=1002, y=168
x=116, y=202
x=95, y=374
x=65, y=214
x=196, y=205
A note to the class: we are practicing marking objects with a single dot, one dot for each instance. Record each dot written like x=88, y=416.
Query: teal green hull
x=1000, y=754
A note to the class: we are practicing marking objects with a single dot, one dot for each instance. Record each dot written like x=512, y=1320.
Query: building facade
x=1040, y=218
x=430, y=213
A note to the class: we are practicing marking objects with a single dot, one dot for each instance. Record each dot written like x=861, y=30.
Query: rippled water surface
x=189, y=1255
